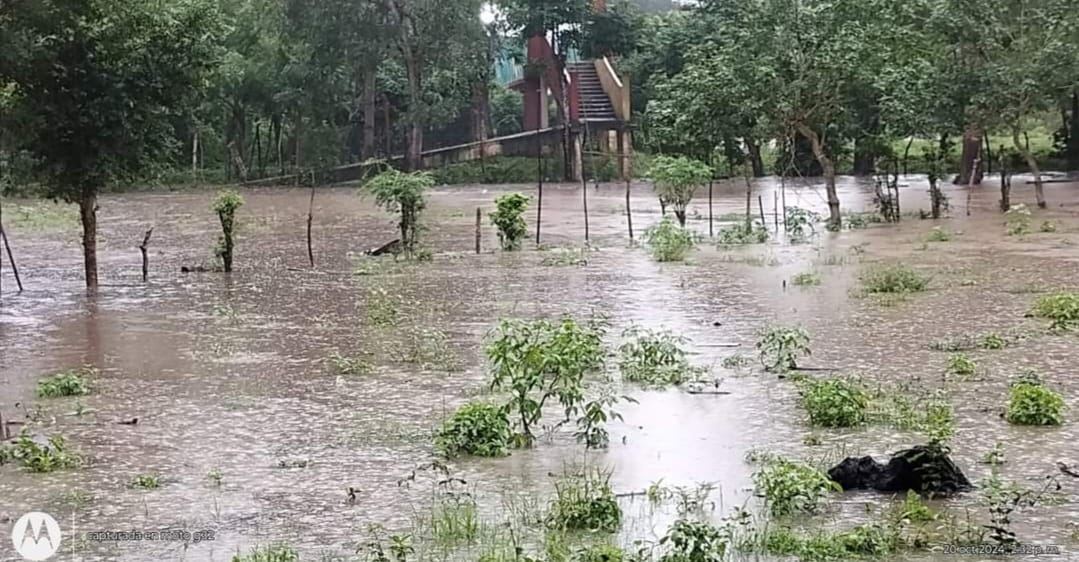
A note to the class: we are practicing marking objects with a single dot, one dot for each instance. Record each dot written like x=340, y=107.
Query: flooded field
x=255, y=437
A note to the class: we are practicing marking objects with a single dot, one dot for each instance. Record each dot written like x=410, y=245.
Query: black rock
x=926, y=470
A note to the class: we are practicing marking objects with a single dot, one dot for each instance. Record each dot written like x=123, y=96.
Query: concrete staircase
x=595, y=104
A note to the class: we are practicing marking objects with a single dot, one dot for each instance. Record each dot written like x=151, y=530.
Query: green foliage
x=73, y=382
x=806, y=279
x=893, y=279
x=869, y=540
x=454, y=520
x=226, y=204
x=938, y=234
x=695, y=541
x=43, y=457
x=739, y=234
x=994, y=456
x=269, y=554
x=1048, y=226
x=736, y=361
x=542, y=360
x=41, y=216
x=799, y=225
x=993, y=341
x=655, y=358
x=404, y=194
x=566, y=257
x=837, y=402
x=914, y=509
x=1031, y=403
x=508, y=218
x=1061, y=309
x=1018, y=220
x=585, y=502
x=146, y=482
x=596, y=413
x=383, y=309
x=599, y=553
x=348, y=365
x=477, y=428
x=790, y=487
x=669, y=242
x=962, y=365
x=676, y=180
x=779, y=347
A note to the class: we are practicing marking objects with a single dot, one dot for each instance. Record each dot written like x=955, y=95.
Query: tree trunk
x=1023, y=149
x=479, y=112
x=368, y=150
x=755, y=160
x=828, y=169
x=970, y=170
x=88, y=214
x=414, y=159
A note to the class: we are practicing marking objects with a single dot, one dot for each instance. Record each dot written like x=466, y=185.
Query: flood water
x=228, y=373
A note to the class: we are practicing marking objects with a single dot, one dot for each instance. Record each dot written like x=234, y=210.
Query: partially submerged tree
x=101, y=85
x=226, y=204
x=676, y=180
x=404, y=193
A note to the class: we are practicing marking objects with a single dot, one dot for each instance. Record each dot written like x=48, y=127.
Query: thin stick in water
x=310, y=219
x=629, y=213
x=760, y=206
x=145, y=256
x=478, y=223
x=711, y=233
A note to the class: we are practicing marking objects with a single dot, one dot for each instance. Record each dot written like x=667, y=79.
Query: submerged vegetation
x=790, y=487
x=508, y=218
x=779, y=347
x=477, y=428
x=898, y=279
x=655, y=358
x=836, y=402
x=1061, y=309
x=73, y=382
x=669, y=242
x=1031, y=403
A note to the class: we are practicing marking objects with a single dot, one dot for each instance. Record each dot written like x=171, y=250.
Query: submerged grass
x=73, y=382
x=893, y=279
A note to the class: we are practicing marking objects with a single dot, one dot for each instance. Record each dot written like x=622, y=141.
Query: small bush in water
x=738, y=234
x=835, y=402
x=1061, y=309
x=585, y=502
x=669, y=242
x=655, y=357
x=893, y=279
x=870, y=540
x=780, y=346
x=66, y=383
x=146, y=482
x=509, y=220
x=695, y=541
x=43, y=457
x=962, y=365
x=1017, y=220
x=790, y=487
x=477, y=428
x=1031, y=403
x=269, y=554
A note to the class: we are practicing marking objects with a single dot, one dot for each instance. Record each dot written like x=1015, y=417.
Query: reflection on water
x=228, y=375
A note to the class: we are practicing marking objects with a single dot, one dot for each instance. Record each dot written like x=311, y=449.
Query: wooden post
x=310, y=219
x=783, y=199
x=970, y=185
x=539, y=169
x=760, y=206
x=629, y=212
x=195, y=157
x=775, y=209
x=145, y=256
x=479, y=222
x=11, y=258
x=584, y=199
x=711, y=232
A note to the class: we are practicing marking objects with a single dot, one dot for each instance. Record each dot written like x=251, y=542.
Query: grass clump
x=562, y=257
x=893, y=279
x=477, y=428
x=962, y=365
x=43, y=457
x=790, y=487
x=454, y=520
x=146, y=482
x=73, y=382
x=806, y=279
x=383, y=309
x=739, y=234
x=346, y=365
x=1032, y=403
x=837, y=402
x=1017, y=220
x=669, y=242
x=938, y=234
x=655, y=358
x=1061, y=309
x=780, y=346
x=269, y=554
x=695, y=541
x=585, y=502
x=869, y=540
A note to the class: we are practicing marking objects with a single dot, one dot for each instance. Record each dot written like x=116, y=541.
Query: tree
x=677, y=179
x=404, y=193
x=104, y=81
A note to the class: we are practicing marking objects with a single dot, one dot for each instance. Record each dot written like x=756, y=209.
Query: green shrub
x=870, y=540
x=227, y=203
x=656, y=358
x=893, y=279
x=1031, y=403
x=676, y=178
x=509, y=220
x=43, y=457
x=780, y=346
x=739, y=234
x=962, y=365
x=790, y=487
x=695, y=541
x=993, y=341
x=74, y=382
x=799, y=225
x=585, y=502
x=1048, y=226
x=938, y=234
x=669, y=242
x=146, y=482
x=404, y=194
x=914, y=509
x=835, y=402
x=1061, y=309
x=269, y=554
x=477, y=428
x=806, y=279
x=736, y=361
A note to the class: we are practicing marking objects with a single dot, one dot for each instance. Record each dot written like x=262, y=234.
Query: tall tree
x=102, y=84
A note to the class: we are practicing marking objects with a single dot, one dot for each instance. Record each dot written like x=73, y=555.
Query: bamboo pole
x=711, y=232
x=478, y=225
x=760, y=206
x=145, y=256
x=11, y=258
x=775, y=209
x=629, y=213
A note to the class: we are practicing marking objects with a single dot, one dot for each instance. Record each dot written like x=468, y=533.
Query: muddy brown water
x=227, y=374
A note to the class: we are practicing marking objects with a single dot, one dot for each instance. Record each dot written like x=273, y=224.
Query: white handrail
x=610, y=69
